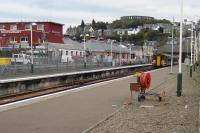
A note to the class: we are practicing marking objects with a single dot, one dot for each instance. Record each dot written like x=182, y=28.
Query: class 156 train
x=163, y=60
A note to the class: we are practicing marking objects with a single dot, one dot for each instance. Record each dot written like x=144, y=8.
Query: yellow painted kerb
x=5, y=61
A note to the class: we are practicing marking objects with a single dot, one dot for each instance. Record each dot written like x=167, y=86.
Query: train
x=163, y=60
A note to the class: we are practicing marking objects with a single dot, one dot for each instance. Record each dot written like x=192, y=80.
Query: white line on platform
x=25, y=102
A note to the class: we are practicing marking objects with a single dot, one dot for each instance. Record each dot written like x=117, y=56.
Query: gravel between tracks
x=172, y=115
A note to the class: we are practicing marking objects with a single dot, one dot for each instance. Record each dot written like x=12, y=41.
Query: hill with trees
x=138, y=39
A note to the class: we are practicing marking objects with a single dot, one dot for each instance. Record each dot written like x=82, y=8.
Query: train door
x=158, y=61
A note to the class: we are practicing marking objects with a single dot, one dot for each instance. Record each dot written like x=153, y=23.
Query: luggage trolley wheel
x=143, y=97
x=159, y=98
x=140, y=98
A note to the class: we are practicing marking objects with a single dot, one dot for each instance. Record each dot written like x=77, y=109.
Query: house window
x=24, y=39
x=13, y=27
x=13, y=39
x=66, y=52
x=1, y=27
x=76, y=53
x=132, y=56
x=72, y=53
x=40, y=27
x=27, y=27
x=80, y=53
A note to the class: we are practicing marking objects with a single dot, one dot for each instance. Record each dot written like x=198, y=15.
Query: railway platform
x=65, y=80
x=174, y=114
x=77, y=110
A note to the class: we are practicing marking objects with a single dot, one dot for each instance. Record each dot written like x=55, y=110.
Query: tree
x=82, y=25
x=93, y=24
x=161, y=30
x=101, y=25
x=116, y=24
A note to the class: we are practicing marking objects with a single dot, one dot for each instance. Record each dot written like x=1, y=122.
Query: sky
x=71, y=12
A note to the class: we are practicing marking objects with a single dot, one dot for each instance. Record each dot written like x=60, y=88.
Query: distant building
x=136, y=18
x=19, y=33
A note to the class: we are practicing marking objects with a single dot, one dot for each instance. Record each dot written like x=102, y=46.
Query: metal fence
x=52, y=63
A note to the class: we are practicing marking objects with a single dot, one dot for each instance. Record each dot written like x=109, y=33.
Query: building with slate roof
x=96, y=51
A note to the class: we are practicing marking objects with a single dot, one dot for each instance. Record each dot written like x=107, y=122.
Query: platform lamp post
x=179, y=76
x=195, y=49
x=172, y=50
x=32, y=62
x=191, y=51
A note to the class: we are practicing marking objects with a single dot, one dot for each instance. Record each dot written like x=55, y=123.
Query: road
x=74, y=111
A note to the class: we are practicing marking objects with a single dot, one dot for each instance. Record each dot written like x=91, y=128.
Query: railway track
x=55, y=89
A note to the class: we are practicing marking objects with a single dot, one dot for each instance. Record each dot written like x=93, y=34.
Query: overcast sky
x=71, y=12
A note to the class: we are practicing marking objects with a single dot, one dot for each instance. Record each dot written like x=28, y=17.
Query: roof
x=101, y=46
x=31, y=22
x=68, y=45
x=92, y=45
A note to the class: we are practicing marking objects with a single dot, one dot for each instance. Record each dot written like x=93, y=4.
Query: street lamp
x=172, y=52
x=179, y=76
x=32, y=66
x=195, y=49
x=187, y=49
x=198, y=48
x=120, y=50
x=130, y=51
x=111, y=52
x=84, y=45
x=191, y=49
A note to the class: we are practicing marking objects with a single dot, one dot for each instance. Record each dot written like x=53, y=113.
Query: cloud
x=71, y=12
x=65, y=15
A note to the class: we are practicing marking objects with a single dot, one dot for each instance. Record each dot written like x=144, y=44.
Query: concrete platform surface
x=73, y=112
x=172, y=115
